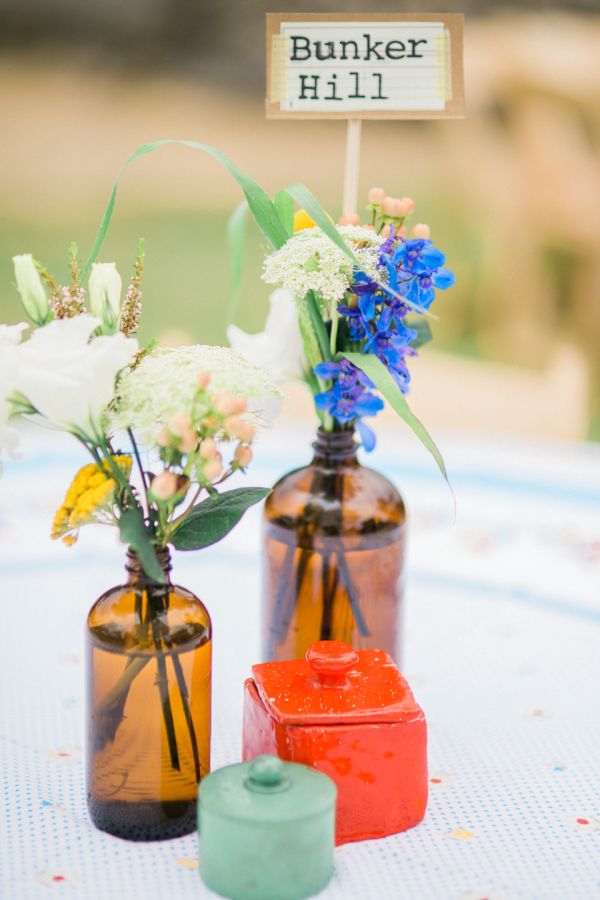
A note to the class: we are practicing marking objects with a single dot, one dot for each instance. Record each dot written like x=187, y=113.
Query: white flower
x=279, y=348
x=105, y=295
x=310, y=261
x=165, y=384
x=69, y=379
x=10, y=336
x=31, y=289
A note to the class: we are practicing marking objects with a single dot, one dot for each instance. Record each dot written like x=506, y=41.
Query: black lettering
x=379, y=95
x=318, y=53
x=307, y=87
x=356, y=95
x=372, y=48
x=395, y=50
x=296, y=47
x=414, y=43
x=344, y=44
x=333, y=84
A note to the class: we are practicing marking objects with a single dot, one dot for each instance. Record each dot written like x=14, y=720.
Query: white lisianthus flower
x=67, y=378
x=279, y=348
x=31, y=290
x=10, y=336
x=165, y=384
x=310, y=261
x=104, y=289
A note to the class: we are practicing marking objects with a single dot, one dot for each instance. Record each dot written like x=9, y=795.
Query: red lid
x=335, y=684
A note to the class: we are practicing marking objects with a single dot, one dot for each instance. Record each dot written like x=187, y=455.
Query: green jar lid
x=267, y=789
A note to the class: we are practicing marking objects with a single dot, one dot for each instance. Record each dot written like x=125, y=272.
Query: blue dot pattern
x=501, y=650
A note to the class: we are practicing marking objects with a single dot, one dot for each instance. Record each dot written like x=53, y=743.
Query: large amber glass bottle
x=149, y=676
x=334, y=555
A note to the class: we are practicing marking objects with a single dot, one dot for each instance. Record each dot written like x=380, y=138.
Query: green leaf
x=307, y=200
x=260, y=203
x=212, y=519
x=423, y=330
x=236, y=238
x=383, y=381
x=285, y=210
x=134, y=533
x=318, y=325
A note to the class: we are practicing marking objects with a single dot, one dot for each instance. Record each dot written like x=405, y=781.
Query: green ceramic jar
x=267, y=830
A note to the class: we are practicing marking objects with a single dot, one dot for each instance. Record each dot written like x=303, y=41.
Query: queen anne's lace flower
x=310, y=261
x=165, y=384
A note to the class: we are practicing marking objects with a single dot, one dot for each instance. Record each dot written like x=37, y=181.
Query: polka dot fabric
x=501, y=650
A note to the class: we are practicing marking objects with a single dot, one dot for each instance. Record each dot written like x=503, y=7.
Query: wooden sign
x=364, y=66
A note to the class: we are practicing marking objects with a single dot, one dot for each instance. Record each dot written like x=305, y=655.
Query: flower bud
x=208, y=448
x=105, y=295
x=180, y=424
x=243, y=456
x=163, y=438
x=409, y=203
x=164, y=486
x=189, y=441
x=31, y=289
x=385, y=231
x=402, y=209
x=349, y=219
x=238, y=429
x=376, y=196
x=225, y=403
x=402, y=232
x=389, y=207
x=203, y=380
x=421, y=231
x=213, y=467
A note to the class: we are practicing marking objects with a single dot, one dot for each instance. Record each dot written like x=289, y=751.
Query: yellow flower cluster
x=89, y=496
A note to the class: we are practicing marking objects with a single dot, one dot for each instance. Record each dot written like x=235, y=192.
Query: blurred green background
x=512, y=193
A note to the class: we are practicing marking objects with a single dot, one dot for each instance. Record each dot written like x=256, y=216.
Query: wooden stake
x=352, y=169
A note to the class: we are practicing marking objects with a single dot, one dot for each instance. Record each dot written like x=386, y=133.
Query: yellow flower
x=302, y=220
x=89, y=498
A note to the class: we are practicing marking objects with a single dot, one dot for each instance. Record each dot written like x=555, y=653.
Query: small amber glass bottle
x=149, y=687
x=334, y=555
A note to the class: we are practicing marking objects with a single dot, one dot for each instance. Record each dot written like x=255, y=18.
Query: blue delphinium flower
x=415, y=270
x=351, y=397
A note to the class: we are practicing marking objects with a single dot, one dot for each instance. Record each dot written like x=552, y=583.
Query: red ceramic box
x=352, y=715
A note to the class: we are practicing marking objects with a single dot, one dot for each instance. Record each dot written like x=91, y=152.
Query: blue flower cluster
x=374, y=314
x=350, y=398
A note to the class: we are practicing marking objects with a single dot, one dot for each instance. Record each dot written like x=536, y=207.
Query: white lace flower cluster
x=165, y=384
x=310, y=261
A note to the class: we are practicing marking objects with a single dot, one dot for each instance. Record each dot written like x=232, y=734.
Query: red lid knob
x=331, y=660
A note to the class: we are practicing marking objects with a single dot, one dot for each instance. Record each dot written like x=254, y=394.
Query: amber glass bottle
x=149, y=676
x=334, y=554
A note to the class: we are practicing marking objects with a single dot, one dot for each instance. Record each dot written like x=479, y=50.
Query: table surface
x=501, y=649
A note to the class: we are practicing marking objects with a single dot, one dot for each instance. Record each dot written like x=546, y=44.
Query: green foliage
x=134, y=533
x=383, y=381
x=212, y=519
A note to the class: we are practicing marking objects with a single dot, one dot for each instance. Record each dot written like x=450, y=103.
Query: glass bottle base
x=144, y=821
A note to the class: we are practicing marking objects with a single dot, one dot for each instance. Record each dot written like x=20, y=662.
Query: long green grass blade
x=307, y=200
x=261, y=205
x=383, y=381
x=285, y=210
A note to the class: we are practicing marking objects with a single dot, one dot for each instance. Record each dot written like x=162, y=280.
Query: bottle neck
x=136, y=574
x=335, y=447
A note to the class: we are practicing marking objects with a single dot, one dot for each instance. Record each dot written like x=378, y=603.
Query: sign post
x=364, y=66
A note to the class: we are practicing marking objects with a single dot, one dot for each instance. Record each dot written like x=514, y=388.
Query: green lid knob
x=266, y=774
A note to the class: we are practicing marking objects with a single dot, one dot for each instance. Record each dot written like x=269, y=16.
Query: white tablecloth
x=501, y=650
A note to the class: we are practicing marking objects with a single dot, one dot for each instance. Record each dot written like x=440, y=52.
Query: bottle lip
x=134, y=567
x=335, y=445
